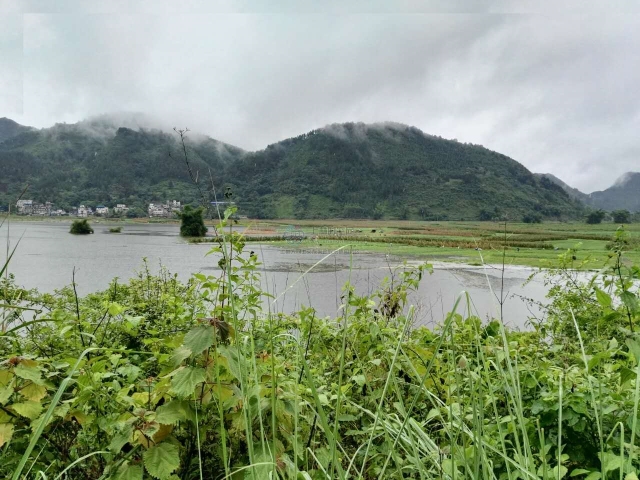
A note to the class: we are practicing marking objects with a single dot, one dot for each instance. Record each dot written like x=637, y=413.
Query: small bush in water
x=81, y=227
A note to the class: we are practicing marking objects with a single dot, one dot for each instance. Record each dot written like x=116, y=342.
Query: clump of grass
x=81, y=227
x=115, y=229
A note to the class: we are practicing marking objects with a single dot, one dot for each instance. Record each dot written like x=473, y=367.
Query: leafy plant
x=596, y=217
x=192, y=222
x=81, y=227
x=162, y=379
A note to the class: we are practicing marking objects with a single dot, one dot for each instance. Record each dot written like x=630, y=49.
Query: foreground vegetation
x=159, y=379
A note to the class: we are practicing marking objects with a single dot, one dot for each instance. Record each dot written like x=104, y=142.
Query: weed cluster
x=201, y=380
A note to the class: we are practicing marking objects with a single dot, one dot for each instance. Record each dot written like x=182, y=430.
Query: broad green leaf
x=554, y=471
x=6, y=432
x=199, y=338
x=130, y=371
x=593, y=476
x=115, y=309
x=120, y=439
x=179, y=355
x=161, y=460
x=28, y=373
x=603, y=298
x=634, y=347
x=611, y=461
x=626, y=374
x=128, y=472
x=28, y=409
x=171, y=413
x=5, y=377
x=359, y=379
x=235, y=362
x=630, y=300
x=5, y=394
x=34, y=392
x=578, y=471
x=185, y=380
x=631, y=476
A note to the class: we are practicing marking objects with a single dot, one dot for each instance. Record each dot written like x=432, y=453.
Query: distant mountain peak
x=625, y=178
x=573, y=192
x=10, y=128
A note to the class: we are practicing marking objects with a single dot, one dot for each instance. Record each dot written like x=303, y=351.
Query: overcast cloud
x=557, y=90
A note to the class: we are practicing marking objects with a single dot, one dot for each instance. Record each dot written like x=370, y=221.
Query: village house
x=164, y=210
x=102, y=210
x=84, y=212
x=120, y=208
x=25, y=207
x=156, y=210
x=42, y=209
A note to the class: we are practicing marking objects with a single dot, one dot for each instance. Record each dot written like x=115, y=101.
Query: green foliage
x=115, y=230
x=596, y=217
x=81, y=227
x=347, y=171
x=192, y=222
x=532, y=218
x=621, y=216
x=169, y=380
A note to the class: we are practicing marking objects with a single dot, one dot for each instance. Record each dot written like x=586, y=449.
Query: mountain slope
x=624, y=194
x=70, y=165
x=358, y=170
x=347, y=170
x=573, y=192
x=9, y=128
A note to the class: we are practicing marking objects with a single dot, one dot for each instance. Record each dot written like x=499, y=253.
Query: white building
x=120, y=208
x=164, y=210
x=25, y=207
x=156, y=210
x=83, y=212
x=42, y=209
x=102, y=210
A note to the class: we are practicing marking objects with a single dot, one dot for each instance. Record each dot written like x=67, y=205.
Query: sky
x=552, y=84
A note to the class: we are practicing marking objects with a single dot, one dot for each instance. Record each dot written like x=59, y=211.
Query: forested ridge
x=351, y=170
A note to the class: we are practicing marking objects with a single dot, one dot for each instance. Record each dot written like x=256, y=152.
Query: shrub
x=621, y=216
x=532, y=218
x=115, y=229
x=192, y=222
x=596, y=217
x=81, y=227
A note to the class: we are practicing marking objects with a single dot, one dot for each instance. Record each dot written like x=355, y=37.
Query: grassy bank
x=536, y=245
x=159, y=379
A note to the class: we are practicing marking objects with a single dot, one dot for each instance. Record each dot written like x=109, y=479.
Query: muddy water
x=47, y=256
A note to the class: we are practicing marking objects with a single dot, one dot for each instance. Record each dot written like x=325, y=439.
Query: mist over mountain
x=9, y=128
x=624, y=194
x=573, y=192
x=352, y=170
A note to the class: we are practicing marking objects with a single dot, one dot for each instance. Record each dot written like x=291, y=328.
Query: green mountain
x=624, y=194
x=94, y=163
x=9, y=128
x=390, y=170
x=573, y=192
x=347, y=170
